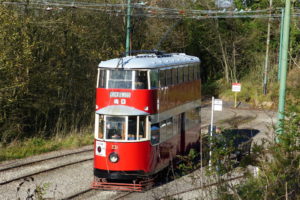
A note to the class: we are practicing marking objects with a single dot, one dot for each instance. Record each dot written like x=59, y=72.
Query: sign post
x=236, y=87
x=216, y=105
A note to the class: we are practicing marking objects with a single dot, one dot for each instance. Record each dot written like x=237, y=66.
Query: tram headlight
x=114, y=157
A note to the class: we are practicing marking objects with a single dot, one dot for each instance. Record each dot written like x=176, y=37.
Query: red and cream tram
x=147, y=112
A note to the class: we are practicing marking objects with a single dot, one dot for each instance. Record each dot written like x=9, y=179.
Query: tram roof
x=144, y=61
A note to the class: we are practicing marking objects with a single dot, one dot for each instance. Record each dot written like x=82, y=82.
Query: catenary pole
x=128, y=27
x=281, y=38
x=267, y=51
x=284, y=62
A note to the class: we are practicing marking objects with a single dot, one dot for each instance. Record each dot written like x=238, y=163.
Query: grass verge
x=38, y=145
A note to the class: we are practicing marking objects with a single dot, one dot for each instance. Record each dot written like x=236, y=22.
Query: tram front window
x=132, y=127
x=115, y=128
x=142, y=128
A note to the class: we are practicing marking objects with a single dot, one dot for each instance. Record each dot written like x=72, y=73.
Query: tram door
x=181, y=128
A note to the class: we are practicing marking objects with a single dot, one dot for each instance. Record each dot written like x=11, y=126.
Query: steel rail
x=122, y=196
x=78, y=194
x=45, y=159
x=204, y=186
x=43, y=171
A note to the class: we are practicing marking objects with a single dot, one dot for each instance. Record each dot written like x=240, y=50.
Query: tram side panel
x=174, y=96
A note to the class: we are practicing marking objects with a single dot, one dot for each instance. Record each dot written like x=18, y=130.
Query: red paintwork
x=140, y=99
x=169, y=97
x=143, y=156
x=135, y=156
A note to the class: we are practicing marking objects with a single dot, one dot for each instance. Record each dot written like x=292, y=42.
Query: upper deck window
x=154, y=78
x=141, y=81
x=102, y=78
x=120, y=79
x=162, y=78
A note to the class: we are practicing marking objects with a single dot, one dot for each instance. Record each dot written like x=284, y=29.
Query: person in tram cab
x=131, y=137
x=113, y=132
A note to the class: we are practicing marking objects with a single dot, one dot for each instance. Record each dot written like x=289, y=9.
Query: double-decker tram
x=147, y=112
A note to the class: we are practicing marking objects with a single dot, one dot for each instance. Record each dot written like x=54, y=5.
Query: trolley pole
x=128, y=27
x=284, y=62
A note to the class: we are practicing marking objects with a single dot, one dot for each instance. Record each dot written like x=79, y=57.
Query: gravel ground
x=64, y=182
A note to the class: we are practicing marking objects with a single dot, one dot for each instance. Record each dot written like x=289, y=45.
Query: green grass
x=38, y=145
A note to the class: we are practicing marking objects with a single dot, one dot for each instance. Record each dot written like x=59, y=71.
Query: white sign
x=236, y=87
x=218, y=104
x=100, y=149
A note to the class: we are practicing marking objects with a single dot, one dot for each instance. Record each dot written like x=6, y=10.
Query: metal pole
x=267, y=52
x=128, y=27
x=281, y=38
x=211, y=129
x=285, y=45
x=235, y=99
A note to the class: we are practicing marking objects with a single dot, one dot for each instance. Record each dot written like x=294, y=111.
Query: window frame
x=134, y=81
x=137, y=139
x=109, y=74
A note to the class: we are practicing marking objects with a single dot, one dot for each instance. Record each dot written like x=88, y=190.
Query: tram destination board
x=120, y=94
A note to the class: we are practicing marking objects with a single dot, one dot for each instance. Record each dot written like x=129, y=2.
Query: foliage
x=38, y=145
x=188, y=163
x=48, y=59
x=279, y=172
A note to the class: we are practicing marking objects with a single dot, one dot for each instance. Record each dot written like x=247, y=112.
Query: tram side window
x=101, y=127
x=162, y=78
x=169, y=128
x=180, y=75
x=168, y=77
x=155, y=134
x=141, y=80
x=195, y=72
x=186, y=74
x=115, y=128
x=142, y=128
x=192, y=118
x=154, y=79
x=120, y=79
x=175, y=125
x=132, y=127
x=102, y=79
x=191, y=73
x=174, y=76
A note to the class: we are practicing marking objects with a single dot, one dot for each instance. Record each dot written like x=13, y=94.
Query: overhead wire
x=151, y=11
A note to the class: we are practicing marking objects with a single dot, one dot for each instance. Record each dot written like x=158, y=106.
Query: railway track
x=203, y=186
x=92, y=192
x=24, y=170
x=6, y=167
